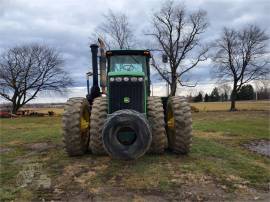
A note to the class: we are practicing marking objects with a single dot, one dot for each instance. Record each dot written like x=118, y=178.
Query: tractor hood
x=126, y=73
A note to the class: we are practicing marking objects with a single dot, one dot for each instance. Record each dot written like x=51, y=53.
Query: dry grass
x=224, y=106
x=218, y=168
x=202, y=106
x=57, y=111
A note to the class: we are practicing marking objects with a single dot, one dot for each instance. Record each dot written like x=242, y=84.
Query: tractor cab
x=128, y=80
x=128, y=61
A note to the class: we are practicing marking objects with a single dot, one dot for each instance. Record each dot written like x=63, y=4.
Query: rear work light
x=133, y=79
x=118, y=79
x=126, y=79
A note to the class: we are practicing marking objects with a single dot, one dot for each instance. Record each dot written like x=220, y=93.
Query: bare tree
x=177, y=33
x=262, y=88
x=225, y=88
x=115, y=31
x=29, y=69
x=241, y=57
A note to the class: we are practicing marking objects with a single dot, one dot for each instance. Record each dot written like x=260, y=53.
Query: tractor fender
x=126, y=120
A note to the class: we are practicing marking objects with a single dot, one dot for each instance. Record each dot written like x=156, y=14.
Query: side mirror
x=164, y=58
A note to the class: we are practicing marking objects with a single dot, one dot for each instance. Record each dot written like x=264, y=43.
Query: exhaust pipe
x=95, y=90
x=94, y=50
x=102, y=66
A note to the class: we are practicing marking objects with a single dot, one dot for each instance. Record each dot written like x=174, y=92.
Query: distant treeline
x=7, y=106
x=246, y=92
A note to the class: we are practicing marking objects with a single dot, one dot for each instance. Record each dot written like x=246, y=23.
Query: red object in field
x=5, y=114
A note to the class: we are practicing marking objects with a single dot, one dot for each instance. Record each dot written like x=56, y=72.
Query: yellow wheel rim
x=170, y=119
x=85, y=120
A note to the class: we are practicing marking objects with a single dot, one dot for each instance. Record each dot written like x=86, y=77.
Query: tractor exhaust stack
x=102, y=66
x=95, y=90
x=94, y=50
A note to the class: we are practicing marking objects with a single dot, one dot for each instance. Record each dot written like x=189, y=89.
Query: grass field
x=225, y=106
x=202, y=106
x=57, y=111
x=34, y=165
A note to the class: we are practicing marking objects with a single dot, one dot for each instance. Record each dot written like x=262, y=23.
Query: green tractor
x=121, y=119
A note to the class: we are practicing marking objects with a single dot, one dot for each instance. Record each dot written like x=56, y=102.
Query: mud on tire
x=98, y=118
x=75, y=123
x=157, y=124
x=179, y=125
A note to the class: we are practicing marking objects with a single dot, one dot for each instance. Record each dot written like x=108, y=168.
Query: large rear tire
x=98, y=118
x=75, y=122
x=179, y=125
x=157, y=124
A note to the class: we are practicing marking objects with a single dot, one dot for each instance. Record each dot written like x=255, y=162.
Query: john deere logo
x=126, y=100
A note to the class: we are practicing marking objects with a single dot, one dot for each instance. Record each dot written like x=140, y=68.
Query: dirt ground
x=220, y=166
x=73, y=182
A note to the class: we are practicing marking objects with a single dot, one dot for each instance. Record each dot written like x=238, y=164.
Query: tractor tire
x=126, y=135
x=75, y=123
x=179, y=125
x=155, y=115
x=98, y=118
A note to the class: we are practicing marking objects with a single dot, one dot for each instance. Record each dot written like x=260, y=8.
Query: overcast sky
x=67, y=25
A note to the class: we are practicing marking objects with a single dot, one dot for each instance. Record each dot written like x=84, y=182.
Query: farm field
x=35, y=167
x=202, y=106
x=225, y=106
x=45, y=110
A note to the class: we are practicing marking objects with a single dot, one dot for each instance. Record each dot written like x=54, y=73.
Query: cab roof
x=128, y=52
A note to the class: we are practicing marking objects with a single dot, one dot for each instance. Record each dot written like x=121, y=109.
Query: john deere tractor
x=119, y=117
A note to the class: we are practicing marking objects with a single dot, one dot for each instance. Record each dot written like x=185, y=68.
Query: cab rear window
x=136, y=63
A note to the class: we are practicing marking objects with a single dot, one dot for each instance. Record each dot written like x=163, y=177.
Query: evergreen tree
x=215, y=95
x=246, y=93
x=225, y=96
x=222, y=97
x=206, y=98
x=198, y=98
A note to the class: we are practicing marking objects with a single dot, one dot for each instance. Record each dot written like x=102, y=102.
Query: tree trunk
x=173, y=88
x=233, y=98
x=15, y=108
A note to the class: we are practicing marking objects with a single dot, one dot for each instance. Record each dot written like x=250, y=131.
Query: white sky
x=67, y=26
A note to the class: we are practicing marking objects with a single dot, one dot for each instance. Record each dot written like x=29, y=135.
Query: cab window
x=133, y=63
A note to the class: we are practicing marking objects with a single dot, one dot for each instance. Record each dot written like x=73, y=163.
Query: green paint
x=126, y=73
